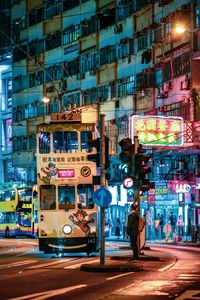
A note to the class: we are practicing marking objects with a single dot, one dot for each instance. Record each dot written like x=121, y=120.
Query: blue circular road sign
x=102, y=197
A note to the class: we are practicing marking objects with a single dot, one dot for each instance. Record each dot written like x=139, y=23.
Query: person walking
x=180, y=226
x=133, y=230
x=117, y=230
x=172, y=220
x=125, y=225
x=161, y=226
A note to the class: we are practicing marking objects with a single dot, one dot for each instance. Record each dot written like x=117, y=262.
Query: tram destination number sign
x=66, y=117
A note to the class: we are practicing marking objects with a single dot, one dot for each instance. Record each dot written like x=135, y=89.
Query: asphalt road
x=26, y=273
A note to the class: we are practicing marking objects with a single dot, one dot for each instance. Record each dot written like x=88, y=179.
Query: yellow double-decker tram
x=67, y=215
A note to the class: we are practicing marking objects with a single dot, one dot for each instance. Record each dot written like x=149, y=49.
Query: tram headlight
x=67, y=229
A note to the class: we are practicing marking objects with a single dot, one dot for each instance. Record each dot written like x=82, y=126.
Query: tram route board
x=65, y=117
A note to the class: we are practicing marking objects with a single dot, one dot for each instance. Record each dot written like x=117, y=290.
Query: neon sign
x=157, y=130
x=65, y=173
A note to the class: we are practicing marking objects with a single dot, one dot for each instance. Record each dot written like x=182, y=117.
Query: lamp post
x=47, y=100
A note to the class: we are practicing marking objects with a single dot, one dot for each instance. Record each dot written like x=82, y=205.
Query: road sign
x=130, y=192
x=102, y=197
x=128, y=182
x=124, y=168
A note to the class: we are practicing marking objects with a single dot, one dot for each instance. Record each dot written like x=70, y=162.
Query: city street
x=26, y=273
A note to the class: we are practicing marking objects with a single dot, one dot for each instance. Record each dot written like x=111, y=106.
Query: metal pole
x=103, y=182
x=59, y=102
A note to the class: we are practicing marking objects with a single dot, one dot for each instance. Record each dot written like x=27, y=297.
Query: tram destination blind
x=66, y=117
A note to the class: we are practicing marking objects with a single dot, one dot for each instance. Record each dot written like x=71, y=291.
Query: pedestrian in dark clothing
x=125, y=226
x=162, y=226
x=117, y=230
x=133, y=230
x=172, y=220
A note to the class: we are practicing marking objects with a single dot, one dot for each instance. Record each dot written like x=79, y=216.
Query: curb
x=133, y=267
x=142, y=258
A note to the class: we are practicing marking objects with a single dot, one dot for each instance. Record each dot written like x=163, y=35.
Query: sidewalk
x=148, y=260
x=188, y=243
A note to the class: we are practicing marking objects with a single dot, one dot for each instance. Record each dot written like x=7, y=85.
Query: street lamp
x=51, y=90
x=45, y=99
x=180, y=29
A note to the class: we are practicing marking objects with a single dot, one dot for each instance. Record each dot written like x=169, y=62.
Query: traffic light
x=94, y=157
x=140, y=163
x=127, y=153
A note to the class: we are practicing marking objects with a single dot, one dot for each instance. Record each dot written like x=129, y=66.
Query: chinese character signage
x=157, y=130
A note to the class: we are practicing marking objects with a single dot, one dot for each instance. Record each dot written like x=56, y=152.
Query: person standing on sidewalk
x=125, y=226
x=180, y=226
x=133, y=230
x=117, y=229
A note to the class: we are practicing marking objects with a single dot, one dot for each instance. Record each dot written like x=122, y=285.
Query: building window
x=71, y=34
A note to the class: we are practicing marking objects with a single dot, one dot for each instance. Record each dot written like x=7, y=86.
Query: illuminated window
x=85, y=136
x=65, y=141
x=44, y=142
x=66, y=196
x=47, y=197
x=84, y=193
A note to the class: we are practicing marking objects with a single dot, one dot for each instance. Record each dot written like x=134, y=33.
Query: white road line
x=49, y=294
x=189, y=294
x=166, y=268
x=189, y=275
x=24, y=262
x=49, y=264
x=120, y=275
x=78, y=265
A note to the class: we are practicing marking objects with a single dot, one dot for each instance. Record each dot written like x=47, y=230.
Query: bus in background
x=34, y=212
x=15, y=212
x=68, y=217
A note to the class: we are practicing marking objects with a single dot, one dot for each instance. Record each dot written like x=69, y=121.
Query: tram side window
x=84, y=193
x=48, y=197
x=85, y=136
x=44, y=142
x=65, y=141
x=66, y=196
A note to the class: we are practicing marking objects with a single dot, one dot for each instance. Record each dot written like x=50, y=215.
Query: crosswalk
x=157, y=288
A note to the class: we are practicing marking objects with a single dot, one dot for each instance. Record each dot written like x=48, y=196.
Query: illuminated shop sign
x=179, y=187
x=183, y=188
x=65, y=173
x=157, y=130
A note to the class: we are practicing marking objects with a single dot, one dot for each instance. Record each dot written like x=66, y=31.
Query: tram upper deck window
x=44, y=142
x=66, y=196
x=47, y=197
x=85, y=136
x=84, y=193
x=65, y=141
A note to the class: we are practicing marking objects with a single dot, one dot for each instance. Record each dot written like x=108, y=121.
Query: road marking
x=145, y=288
x=189, y=275
x=24, y=262
x=50, y=263
x=49, y=294
x=189, y=294
x=167, y=267
x=120, y=275
x=78, y=265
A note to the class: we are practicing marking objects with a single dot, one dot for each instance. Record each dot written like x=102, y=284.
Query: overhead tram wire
x=26, y=53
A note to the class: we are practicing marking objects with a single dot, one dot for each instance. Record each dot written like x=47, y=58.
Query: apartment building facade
x=122, y=55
